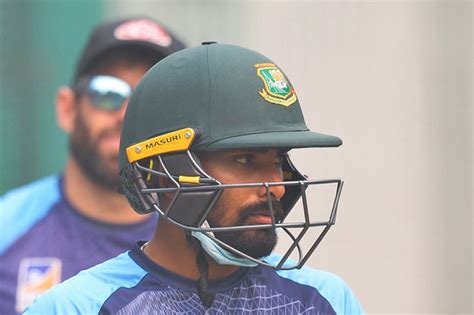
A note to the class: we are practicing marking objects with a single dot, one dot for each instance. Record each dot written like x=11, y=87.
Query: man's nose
x=273, y=175
x=121, y=111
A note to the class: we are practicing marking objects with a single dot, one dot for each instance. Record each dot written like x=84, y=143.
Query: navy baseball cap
x=137, y=32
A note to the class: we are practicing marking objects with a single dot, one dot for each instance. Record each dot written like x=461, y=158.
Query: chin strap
x=206, y=297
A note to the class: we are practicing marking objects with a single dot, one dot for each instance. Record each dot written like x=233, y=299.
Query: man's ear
x=66, y=109
x=164, y=182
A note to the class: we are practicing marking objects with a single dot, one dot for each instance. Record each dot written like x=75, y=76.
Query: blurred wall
x=39, y=43
x=392, y=79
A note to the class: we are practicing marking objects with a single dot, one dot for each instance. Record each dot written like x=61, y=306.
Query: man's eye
x=279, y=160
x=244, y=159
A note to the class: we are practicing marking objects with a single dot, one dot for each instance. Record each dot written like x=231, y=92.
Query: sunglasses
x=105, y=92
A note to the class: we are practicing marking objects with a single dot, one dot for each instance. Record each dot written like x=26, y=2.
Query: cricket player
x=59, y=225
x=205, y=145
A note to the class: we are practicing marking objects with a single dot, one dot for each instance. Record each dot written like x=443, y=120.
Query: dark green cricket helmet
x=208, y=98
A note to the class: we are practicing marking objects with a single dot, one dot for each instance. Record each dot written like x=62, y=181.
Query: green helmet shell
x=233, y=97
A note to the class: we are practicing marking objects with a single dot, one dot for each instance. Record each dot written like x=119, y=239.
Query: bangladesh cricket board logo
x=276, y=89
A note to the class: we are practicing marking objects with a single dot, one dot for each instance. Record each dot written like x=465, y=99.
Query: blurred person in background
x=59, y=225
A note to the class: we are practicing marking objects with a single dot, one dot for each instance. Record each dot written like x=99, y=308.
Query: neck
x=170, y=249
x=95, y=201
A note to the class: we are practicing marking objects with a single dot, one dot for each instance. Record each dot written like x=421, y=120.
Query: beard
x=103, y=170
x=256, y=243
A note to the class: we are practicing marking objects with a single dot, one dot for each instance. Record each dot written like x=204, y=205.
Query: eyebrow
x=263, y=150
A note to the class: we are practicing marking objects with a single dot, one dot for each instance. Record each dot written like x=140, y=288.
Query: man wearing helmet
x=207, y=149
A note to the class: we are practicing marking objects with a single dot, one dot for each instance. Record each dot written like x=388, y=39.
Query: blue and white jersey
x=44, y=240
x=132, y=284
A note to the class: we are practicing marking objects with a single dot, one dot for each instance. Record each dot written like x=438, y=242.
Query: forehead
x=130, y=73
x=119, y=64
x=127, y=56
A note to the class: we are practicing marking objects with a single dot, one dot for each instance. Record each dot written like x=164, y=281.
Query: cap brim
x=281, y=139
x=161, y=52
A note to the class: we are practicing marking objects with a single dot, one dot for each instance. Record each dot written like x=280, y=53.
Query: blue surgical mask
x=219, y=254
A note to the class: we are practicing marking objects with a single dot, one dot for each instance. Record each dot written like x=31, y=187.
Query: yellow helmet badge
x=276, y=89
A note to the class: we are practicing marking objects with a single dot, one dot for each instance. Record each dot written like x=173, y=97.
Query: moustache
x=262, y=208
